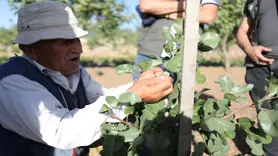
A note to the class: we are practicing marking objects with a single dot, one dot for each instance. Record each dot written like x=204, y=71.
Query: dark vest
x=267, y=26
x=12, y=144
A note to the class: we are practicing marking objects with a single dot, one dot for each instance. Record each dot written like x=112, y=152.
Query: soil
x=108, y=78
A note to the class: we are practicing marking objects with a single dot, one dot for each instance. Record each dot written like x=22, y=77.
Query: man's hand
x=152, y=89
x=151, y=73
x=255, y=53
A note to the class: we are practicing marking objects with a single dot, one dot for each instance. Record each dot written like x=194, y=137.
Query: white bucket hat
x=46, y=20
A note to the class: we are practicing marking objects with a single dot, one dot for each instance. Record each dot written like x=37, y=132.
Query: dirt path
x=108, y=78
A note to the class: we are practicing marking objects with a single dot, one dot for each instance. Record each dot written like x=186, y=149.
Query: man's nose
x=76, y=46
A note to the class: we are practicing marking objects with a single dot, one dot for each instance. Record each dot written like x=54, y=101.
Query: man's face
x=61, y=55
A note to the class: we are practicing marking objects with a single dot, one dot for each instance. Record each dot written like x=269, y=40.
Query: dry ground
x=108, y=78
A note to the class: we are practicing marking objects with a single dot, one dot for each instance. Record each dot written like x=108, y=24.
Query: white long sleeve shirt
x=216, y=2
x=27, y=108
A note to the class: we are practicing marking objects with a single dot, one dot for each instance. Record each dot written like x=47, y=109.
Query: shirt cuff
x=119, y=112
x=215, y=2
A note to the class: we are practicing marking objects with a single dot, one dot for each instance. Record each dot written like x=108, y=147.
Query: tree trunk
x=224, y=49
x=191, y=29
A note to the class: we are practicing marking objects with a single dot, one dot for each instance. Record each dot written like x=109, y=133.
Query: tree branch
x=125, y=122
x=237, y=110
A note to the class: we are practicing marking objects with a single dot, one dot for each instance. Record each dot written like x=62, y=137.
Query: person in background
x=156, y=14
x=49, y=103
x=257, y=36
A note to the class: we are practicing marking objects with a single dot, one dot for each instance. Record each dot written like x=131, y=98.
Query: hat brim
x=63, y=32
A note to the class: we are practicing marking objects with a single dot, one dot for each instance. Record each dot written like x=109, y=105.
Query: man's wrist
x=248, y=49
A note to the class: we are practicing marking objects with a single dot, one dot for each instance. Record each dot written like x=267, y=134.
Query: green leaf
x=173, y=96
x=223, y=103
x=220, y=113
x=241, y=99
x=155, y=107
x=145, y=65
x=245, y=122
x=129, y=135
x=154, y=63
x=240, y=90
x=256, y=148
x=148, y=115
x=121, y=127
x=258, y=135
x=197, y=95
x=112, y=101
x=126, y=68
x=217, y=144
x=129, y=110
x=137, y=142
x=107, y=128
x=129, y=97
x=229, y=134
x=195, y=118
x=269, y=121
x=174, y=111
x=208, y=41
x=167, y=34
x=199, y=149
x=226, y=84
x=145, y=125
x=273, y=85
x=197, y=106
x=200, y=102
x=230, y=97
x=174, y=65
x=200, y=79
x=111, y=144
x=217, y=124
x=178, y=25
x=219, y=153
x=155, y=140
x=104, y=109
x=208, y=107
x=200, y=57
x=169, y=46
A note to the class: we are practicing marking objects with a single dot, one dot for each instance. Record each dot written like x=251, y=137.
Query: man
x=49, y=103
x=257, y=36
x=156, y=14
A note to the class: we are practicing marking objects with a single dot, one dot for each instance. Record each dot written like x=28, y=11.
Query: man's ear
x=29, y=50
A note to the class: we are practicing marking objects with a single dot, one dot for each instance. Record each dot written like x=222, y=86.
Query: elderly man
x=49, y=103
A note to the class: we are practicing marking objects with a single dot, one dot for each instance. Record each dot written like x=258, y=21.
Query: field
x=108, y=78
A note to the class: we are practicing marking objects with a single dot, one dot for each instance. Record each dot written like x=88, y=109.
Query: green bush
x=105, y=61
x=113, y=62
x=218, y=62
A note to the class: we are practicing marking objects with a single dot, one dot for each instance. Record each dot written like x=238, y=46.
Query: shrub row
x=113, y=62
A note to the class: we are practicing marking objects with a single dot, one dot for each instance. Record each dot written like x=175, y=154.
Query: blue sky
x=8, y=18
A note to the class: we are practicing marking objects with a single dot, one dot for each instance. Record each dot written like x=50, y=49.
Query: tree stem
x=237, y=110
x=125, y=122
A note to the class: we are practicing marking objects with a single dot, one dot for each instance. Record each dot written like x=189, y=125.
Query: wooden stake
x=191, y=30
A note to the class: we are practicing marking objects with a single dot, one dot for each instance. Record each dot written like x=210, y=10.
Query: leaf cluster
x=228, y=18
x=156, y=124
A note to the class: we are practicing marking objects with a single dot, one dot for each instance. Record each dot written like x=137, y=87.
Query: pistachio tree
x=226, y=23
x=152, y=128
